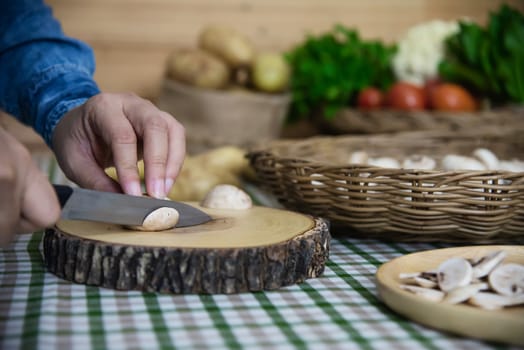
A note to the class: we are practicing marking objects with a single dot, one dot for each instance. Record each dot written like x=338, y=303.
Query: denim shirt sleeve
x=43, y=73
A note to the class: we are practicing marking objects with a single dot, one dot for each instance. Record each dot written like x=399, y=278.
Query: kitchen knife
x=122, y=209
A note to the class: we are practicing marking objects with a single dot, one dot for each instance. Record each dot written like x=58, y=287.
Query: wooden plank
x=132, y=38
x=124, y=68
x=271, y=23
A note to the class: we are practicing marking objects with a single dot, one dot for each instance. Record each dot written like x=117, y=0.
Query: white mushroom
x=486, y=264
x=488, y=158
x=461, y=294
x=427, y=293
x=491, y=301
x=227, y=197
x=384, y=162
x=507, y=279
x=419, y=162
x=512, y=165
x=358, y=157
x=454, y=273
x=456, y=162
x=160, y=219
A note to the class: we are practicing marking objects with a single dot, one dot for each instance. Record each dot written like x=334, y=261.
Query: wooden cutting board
x=237, y=251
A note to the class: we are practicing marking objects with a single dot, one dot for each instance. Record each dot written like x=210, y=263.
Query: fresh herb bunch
x=489, y=61
x=329, y=70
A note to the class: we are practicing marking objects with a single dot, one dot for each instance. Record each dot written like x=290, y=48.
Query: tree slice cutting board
x=237, y=251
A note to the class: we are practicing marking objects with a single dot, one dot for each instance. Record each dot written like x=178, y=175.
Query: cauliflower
x=421, y=49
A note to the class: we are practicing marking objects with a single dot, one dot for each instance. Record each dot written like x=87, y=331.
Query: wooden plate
x=504, y=325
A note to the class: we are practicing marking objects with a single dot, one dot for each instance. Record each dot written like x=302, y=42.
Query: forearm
x=43, y=73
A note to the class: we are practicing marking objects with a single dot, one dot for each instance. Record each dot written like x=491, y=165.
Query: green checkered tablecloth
x=339, y=310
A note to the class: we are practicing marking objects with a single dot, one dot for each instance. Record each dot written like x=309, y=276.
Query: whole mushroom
x=227, y=197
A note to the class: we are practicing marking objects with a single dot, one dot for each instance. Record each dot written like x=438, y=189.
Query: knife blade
x=122, y=209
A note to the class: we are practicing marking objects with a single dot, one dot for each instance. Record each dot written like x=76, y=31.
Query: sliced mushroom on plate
x=461, y=294
x=485, y=282
x=421, y=279
x=507, y=279
x=490, y=301
x=427, y=293
x=483, y=266
x=454, y=273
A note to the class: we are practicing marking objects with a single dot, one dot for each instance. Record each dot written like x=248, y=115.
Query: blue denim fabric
x=43, y=73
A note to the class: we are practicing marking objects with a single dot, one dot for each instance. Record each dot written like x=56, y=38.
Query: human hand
x=116, y=129
x=27, y=199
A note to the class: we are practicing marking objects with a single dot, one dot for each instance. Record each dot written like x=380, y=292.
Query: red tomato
x=370, y=98
x=406, y=96
x=429, y=86
x=452, y=97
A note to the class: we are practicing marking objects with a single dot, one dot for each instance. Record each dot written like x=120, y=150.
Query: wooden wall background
x=131, y=38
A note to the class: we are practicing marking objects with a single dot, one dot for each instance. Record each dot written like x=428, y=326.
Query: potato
x=198, y=68
x=270, y=72
x=194, y=183
x=200, y=173
x=227, y=43
x=111, y=171
x=226, y=157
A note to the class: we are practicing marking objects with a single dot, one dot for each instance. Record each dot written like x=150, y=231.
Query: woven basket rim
x=394, y=140
x=409, y=204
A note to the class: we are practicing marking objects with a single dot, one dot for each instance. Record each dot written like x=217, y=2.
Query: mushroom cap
x=227, y=197
x=488, y=158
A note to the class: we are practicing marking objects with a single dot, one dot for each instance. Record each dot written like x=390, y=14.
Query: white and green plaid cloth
x=339, y=310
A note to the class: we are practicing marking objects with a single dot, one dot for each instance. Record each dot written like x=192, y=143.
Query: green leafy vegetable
x=329, y=70
x=490, y=60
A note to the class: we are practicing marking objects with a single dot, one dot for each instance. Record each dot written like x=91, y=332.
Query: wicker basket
x=355, y=121
x=313, y=176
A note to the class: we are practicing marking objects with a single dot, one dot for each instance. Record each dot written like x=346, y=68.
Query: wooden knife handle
x=63, y=192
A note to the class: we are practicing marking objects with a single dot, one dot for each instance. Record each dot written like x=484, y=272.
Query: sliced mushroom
x=427, y=293
x=423, y=279
x=227, y=197
x=454, y=273
x=491, y=301
x=159, y=219
x=461, y=294
x=486, y=264
x=507, y=279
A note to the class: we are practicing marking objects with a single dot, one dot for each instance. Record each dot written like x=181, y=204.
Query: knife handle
x=63, y=192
